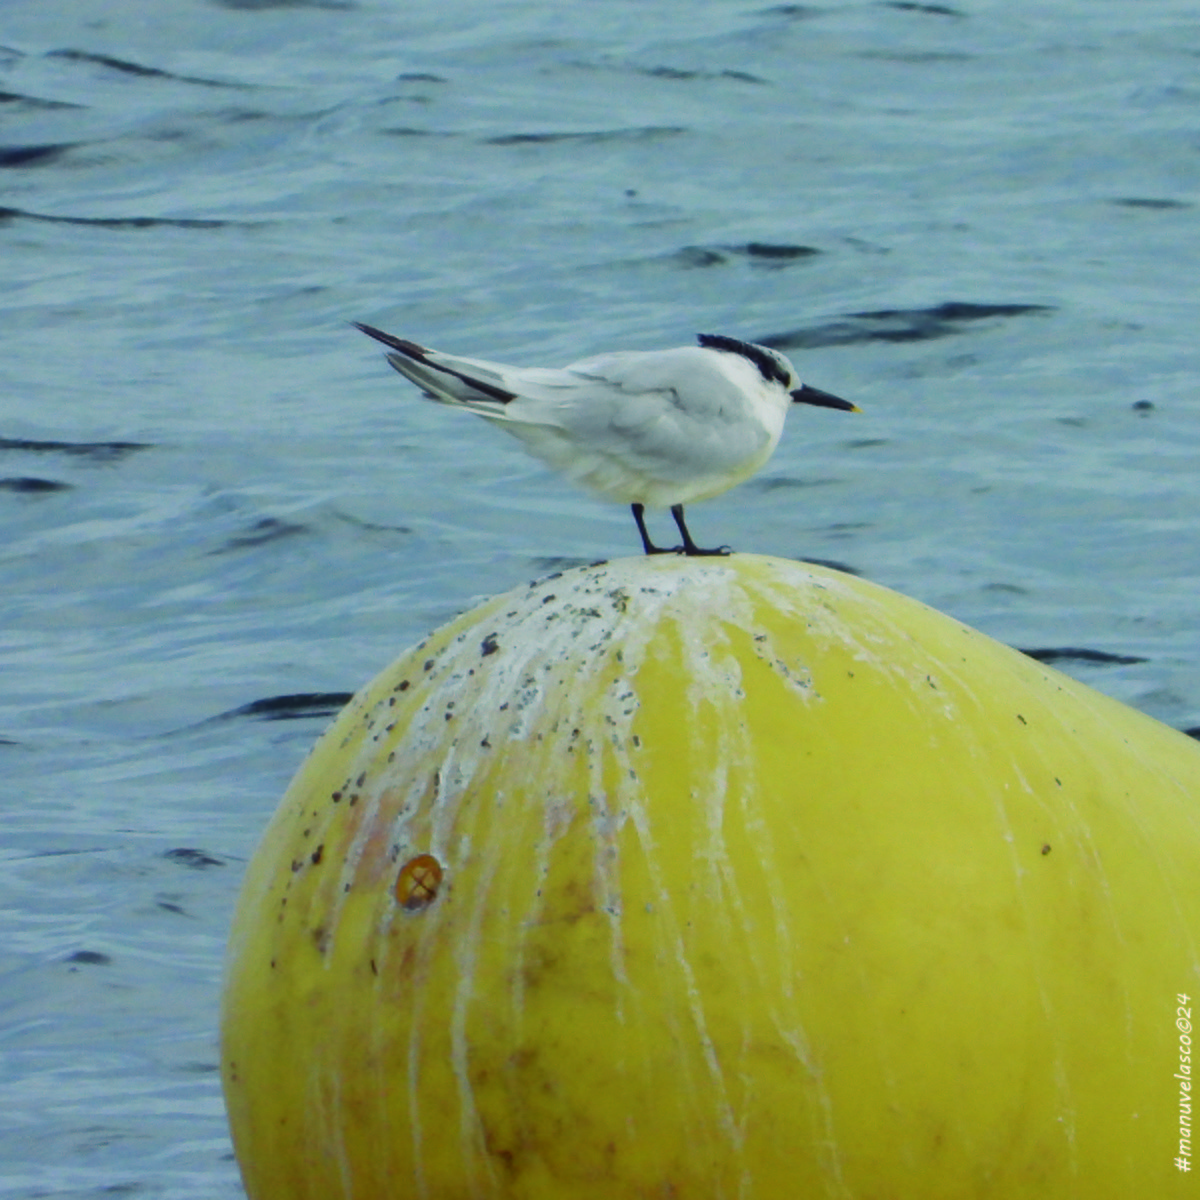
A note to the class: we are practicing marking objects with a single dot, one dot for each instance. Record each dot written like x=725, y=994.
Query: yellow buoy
x=729, y=878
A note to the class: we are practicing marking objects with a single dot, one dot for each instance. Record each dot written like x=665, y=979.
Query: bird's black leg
x=689, y=547
x=639, y=515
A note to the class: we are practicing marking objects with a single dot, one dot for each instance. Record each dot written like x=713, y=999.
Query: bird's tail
x=444, y=377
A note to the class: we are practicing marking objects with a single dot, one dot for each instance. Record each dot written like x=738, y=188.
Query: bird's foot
x=691, y=551
x=688, y=549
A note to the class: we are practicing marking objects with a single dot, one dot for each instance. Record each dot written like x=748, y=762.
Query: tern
x=651, y=429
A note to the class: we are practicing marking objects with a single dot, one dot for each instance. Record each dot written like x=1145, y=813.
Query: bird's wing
x=624, y=392
x=658, y=427
x=689, y=378
x=669, y=414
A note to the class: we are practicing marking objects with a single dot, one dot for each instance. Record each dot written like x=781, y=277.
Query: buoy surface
x=728, y=878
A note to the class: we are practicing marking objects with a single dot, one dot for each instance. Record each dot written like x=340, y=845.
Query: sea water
x=979, y=221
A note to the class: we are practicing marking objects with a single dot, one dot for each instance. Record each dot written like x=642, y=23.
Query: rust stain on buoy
x=417, y=886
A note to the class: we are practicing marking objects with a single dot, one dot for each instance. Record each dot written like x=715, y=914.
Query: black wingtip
x=410, y=349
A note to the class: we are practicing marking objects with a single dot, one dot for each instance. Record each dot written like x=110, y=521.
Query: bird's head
x=776, y=368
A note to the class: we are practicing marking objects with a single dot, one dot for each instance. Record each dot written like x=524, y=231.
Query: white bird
x=652, y=429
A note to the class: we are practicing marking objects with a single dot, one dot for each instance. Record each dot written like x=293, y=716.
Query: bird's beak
x=811, y=395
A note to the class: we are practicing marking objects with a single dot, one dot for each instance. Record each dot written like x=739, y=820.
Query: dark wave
x=33, y=156
x=686, y=74
x=916, y=57
x=1150, y=202
x=762, y=254
x=194, y=860
x=777, y=251
x=412, y=131
x=698, y=257
x=35, y=102
x=262, y=5
x=932, y=10
x=91, y=958
x=291, y=707
x=125, y=67
x=897, y=325
x=833, y=564
x=669, y=73
x=96, y=451
x=22, y=214
x=269, y=529
x=586, y=136
x=32, y=485
x=1080, y=654
x=791, y=12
